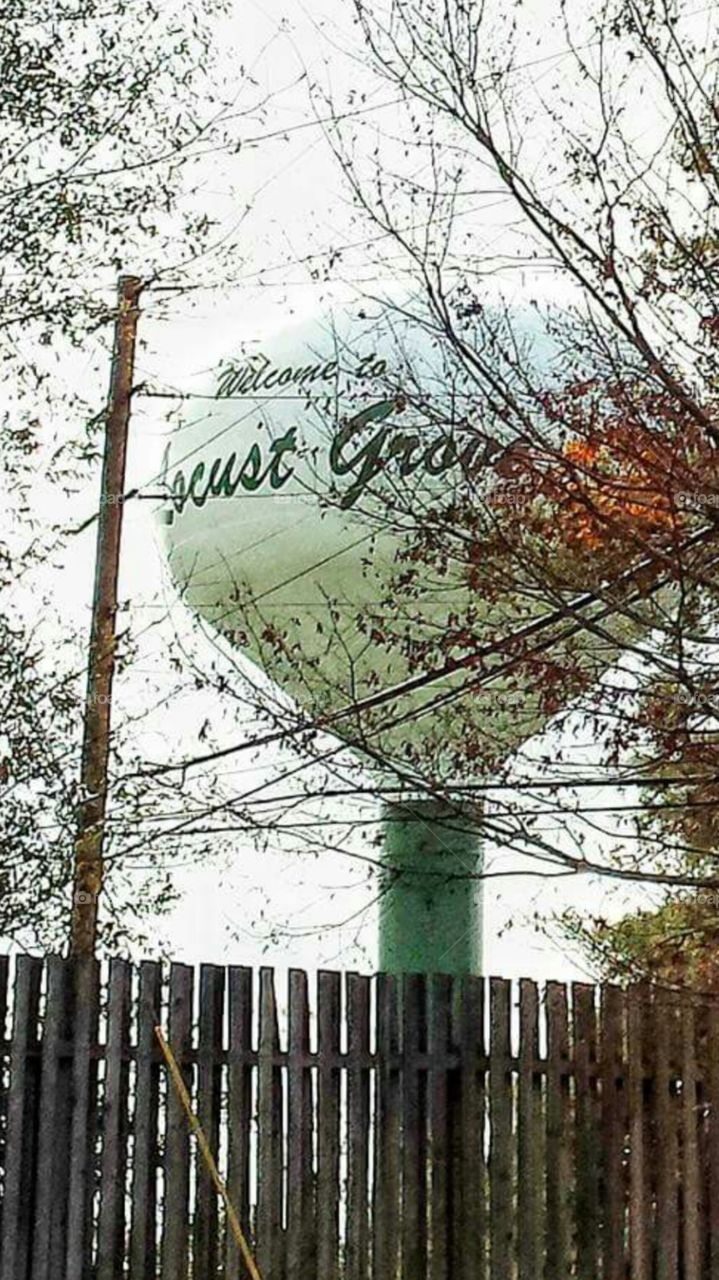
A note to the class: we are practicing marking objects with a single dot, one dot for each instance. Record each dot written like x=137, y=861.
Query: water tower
x=300, y=484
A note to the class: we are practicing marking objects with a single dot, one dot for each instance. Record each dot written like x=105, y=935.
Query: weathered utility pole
x=101, y=662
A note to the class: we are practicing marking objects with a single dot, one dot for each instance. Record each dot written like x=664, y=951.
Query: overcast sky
x=284, y=200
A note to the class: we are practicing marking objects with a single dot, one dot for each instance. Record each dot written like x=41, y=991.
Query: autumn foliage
x=628, y=473
x=637, y=480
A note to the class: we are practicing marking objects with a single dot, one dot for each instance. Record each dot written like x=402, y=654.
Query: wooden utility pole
x=101, y=662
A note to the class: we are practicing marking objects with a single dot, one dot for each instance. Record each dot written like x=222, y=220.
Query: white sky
x=298, y=206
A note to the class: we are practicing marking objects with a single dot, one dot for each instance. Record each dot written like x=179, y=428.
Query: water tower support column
x=430, y=911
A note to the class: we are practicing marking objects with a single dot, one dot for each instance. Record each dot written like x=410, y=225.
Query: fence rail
x=378, y=1129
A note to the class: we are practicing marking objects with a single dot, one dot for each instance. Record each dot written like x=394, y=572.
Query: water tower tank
x=309, y=519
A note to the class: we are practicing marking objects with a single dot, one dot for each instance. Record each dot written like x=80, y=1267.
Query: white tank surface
x=309, y=519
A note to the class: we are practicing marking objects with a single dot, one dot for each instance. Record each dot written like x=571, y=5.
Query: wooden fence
x=382, y=1130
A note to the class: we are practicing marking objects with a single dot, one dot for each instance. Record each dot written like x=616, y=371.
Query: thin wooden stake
x=196, y=1128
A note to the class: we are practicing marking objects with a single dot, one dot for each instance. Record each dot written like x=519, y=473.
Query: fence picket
x=143, y=1247
x=4, y=1081
x=270, y=1240
x=111, y=1227
x=530, y=1152
x=614, y=1129
x=712, y=1059
x=705, y=1132
x=328, y=1125
x=84, y=976
x=205, y=1251
x=469, y=1251
x=666, y=1146
x=301, y=1227
x=385, y=1203
x=22, y=1122
x=239, y=1108
x=176, y=1198
x=414, y=1127
x=501, y=1164
x=442, y=1165
x=640, y=1207
x=52, y=1178
x=586, y=1169
x=559, y=1167
x=358, y=1126
x=690, y=1120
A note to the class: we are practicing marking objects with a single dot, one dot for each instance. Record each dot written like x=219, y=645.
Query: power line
x=319, y=121
x=307, y=399
x=347, y=247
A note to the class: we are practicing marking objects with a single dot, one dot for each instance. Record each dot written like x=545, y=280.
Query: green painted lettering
x=178, y=495
x=367, y=461
x=270, y=380
x=402, y=446
x=250, y=476
x=225, y=486
x=197, y=474
x=447, y=450
x=286, y=444
x=229, y=379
